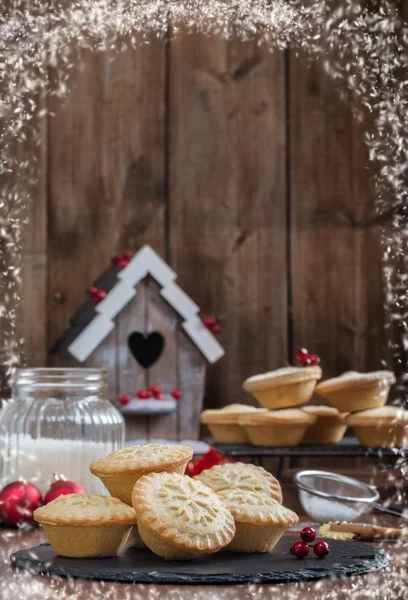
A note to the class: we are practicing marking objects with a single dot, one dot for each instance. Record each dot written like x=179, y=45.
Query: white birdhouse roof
x=81, y=342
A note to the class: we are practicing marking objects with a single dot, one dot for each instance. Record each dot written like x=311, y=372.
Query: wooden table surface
x=15, y=584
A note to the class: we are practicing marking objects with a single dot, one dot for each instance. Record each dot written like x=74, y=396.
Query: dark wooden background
x=244, y=169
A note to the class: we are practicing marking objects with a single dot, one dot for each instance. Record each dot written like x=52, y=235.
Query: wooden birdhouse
x=145, y=331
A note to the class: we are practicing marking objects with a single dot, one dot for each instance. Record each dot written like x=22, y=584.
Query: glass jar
x=58, y=421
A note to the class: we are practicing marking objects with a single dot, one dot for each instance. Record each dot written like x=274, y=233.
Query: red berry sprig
x=301, y=549
x=96, y=294
x=155, y=391
x=305, y=359
x=122, y=261
x=211, y=324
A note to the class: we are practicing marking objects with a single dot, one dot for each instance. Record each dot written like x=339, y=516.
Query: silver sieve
x=327, y=496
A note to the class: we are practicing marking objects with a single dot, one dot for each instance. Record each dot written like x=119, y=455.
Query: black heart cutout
x=146, y=349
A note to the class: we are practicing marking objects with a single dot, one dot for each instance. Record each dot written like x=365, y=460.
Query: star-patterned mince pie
x=120, y=470
x=179, y=518
x=241, y=476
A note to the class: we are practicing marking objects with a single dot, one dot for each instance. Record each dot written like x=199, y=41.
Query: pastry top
x=241, y=476
x=183, y=511
x=374, y=417
x=228, y=414
x=283, y=376
x=85, y=509
x=352, y=379
x=256, y=508
x=142, y=459
x=283, y=415
x=325, y=412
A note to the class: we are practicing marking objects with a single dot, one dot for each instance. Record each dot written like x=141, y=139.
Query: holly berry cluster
x=301, y=549
x=211, y=324
x=210, y=459
x=154, y=391
x=96, y=294
x=305, y=359
x=122, y=261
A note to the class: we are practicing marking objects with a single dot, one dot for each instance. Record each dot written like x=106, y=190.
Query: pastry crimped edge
x=111, y=467
x=122, y=514
x=378, y=417
x=282, y=416
x=228, y=415
x=325, y=412
x=275, y=515
x=279, y=377
x=272, y=485
x=355, y=380
x=199, y=543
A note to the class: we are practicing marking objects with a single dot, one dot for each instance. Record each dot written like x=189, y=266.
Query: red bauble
x=300, y=549
x=308, y=534
x=62, y=488
x=124, y=399
x=176, y=394
x=155, y=389
x=18, y=501
x=321, y=549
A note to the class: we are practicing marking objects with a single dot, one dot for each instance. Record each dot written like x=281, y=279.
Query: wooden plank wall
x=244, y=170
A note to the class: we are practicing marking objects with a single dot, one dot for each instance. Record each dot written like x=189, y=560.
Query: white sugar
x=37, y=459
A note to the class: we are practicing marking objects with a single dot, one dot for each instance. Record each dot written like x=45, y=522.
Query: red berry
x=314, y=359
x=215, y=328
x=101, y=294
x=124, y=399
x=155, y=389
x=159, y=396
x=308, y=534
x=148, y=394
x=306, y=363
x=209, y=322
x=300, y=549
x=302, y=354
x=176, y=394
x=142, y=394
x=122, y=263
x=321, y=549
x=126, y=255
x=92, y=290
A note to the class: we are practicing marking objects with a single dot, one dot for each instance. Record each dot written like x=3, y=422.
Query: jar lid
x=47, y=379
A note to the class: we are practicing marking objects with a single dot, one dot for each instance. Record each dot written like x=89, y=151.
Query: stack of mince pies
x=283, y=420
x=363, y=396
x=232, y=506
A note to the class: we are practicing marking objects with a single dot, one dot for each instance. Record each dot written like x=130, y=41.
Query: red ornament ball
x=142, y=394
x=155, y=389
x=124, y=399
x=300, y=549
x=62, y=488
x=321, y=549
x=308, y=534
x=176, y=394
x=18, y=501
x=159, y=396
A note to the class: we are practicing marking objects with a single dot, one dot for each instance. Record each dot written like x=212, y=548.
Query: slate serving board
x=142, y=566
